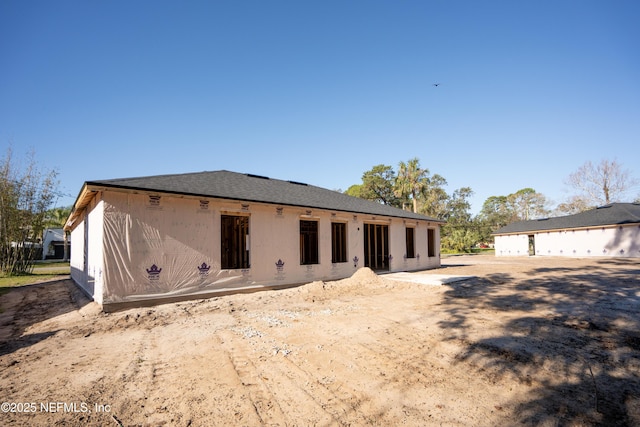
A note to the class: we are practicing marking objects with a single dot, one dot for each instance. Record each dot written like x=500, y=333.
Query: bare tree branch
x=601, y=184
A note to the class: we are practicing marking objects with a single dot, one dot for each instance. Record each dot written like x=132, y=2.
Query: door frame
x=376, y=246
x=532, y=244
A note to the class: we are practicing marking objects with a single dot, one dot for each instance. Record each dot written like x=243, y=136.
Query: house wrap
x=146, y=240
x=607, y=231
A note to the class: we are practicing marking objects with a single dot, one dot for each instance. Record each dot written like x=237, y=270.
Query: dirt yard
x=533, y=341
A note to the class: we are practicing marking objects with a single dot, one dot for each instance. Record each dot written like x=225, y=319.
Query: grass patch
x=27, y=279
x=485, y=251
x=51, y=264
x=41, y=271
x=473, y=251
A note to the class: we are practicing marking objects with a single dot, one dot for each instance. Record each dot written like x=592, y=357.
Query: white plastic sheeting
x=133, y=247
x=160, y=246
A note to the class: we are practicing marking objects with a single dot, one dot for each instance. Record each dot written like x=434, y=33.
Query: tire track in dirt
x=336, y=402
x=161, y=362
x=320, y=366
x=317, y=397
x=262, y=398
x=313, y=382
x=135, y=380
x=313, y=394
x=408, y=373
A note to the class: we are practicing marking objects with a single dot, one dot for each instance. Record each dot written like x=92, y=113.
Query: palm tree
x=56, y=218
x=411, y=181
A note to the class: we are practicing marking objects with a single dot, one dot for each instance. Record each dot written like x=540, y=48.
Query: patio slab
x=426, y=278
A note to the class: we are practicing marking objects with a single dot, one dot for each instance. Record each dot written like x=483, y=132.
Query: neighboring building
x=160, y=238
x=610, y=231
x=53, y=243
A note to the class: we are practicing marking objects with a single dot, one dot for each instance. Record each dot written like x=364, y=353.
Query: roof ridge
x=230, y=185
x=611, y=214
x=156, y=176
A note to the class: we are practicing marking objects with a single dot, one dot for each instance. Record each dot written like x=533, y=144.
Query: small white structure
x=154, y=239
x=53, y=243
x=610, y=231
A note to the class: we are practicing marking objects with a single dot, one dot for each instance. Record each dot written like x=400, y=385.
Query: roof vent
x=257, y=176
x=298, y=183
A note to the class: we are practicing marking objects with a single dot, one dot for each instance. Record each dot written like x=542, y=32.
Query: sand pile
x=365, y=275
x=314, y=291
x=364, y=279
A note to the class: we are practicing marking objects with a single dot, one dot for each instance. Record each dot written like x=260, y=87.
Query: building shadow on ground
x=572, y=334
x=24, y=306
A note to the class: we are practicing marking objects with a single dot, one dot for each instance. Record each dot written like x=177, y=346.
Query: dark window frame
x=234, y=250
x=410, y=240
x=309, y=242
x=338, y=242
x=431, y=242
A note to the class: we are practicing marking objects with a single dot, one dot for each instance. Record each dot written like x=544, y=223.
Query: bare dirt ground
x=532, y=341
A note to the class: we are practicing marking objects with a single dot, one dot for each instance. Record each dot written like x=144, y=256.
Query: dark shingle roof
x=613, y=214
x=254, y=188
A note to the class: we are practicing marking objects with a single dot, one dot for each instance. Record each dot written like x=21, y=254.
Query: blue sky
x=321, y=91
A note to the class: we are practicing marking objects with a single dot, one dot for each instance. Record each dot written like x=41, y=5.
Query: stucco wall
x=512, y=245
x=616, y=241
x=620, y=241
x=170, y=246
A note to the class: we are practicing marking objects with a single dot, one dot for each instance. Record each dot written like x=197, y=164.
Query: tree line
x=414, y=187
x=27, y=194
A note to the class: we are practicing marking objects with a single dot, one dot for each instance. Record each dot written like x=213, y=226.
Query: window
x=431, y=241
x=234, y=242
x=411, y=252
x=308, y=242
x=338, y=242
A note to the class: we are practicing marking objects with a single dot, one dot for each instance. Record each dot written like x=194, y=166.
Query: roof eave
x=87, y=193
x=582, y=227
